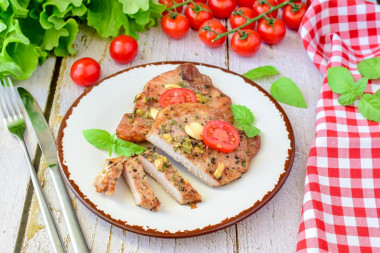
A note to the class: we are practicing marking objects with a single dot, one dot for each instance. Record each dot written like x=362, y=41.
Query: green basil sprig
x=341, y=81
x=101, y=139
x=243, y=119
x=261, y=71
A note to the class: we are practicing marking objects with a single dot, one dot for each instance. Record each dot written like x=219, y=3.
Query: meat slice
x=158, y=167
x=134, y=126
x=212, y=166
x=136, y=179
x=107, y=179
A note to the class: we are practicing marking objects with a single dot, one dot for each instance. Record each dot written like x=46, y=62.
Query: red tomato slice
x=221, y=136
x=177, y=96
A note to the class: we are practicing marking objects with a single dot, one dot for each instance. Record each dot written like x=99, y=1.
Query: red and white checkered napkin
x=341, y=207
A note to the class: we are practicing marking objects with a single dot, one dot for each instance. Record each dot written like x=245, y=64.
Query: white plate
x=102, y=107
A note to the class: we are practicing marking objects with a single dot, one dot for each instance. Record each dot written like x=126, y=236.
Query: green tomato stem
x=175, y=6
x=251, y=20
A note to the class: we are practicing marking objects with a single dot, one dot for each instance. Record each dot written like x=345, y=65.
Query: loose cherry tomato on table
x=123, y=49
x=292, y=15
x=175, y=25
x=177, y=96
x=85, y=71
x=271, y=31
x=260, y=6
x=245, y=3
x=169, y=3
x=221, y=136
x=206, y=35
x=222, y=8
x=197, y=14
x=245, y=42
x=237, y=18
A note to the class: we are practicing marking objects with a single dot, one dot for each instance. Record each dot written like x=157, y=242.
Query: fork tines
x=9, y=106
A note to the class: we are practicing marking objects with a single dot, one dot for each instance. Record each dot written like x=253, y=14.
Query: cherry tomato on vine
x=281, y=1
x=198, y=14
x=236, y=19
x=221, y=136
x=245, y=42
x=175, y=26
x=85, y=71
x=177, y=96
x=245, y=3
x=206, y=35
x=271, y=31
x=260, y=6
x=222, y=8
x=169, y=3
x=202, y=1
x=123, y=49
x=292, y=15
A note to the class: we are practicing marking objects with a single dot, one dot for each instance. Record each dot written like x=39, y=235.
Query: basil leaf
x=286, y=91
x=377, y=93
x=243, y=119
x=261, y=71
x=340, y=79
x=347, y=98
x=370, y=68
x=369, y=107
x=251, y=131
x=360, y=86
x=125, y=148
x=242, y=114
x=112, y=147
x=99, y=138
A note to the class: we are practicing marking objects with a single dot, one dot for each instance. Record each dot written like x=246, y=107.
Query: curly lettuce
x=31, y=30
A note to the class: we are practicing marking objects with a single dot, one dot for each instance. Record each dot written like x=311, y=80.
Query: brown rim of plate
x=180, y=234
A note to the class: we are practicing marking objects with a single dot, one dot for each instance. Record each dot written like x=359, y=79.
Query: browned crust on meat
x=134, y=126
x=140, y=183
x=107, y=179
x=170, y=125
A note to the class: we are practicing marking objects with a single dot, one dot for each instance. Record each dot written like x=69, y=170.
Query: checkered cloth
x=341, y=206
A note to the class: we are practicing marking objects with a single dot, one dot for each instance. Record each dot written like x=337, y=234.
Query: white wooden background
x=272, y=229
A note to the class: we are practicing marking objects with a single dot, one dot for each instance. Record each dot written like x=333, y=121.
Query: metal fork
x=14, y=121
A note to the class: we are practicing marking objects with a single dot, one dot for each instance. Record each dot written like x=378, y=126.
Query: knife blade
x=49, y=150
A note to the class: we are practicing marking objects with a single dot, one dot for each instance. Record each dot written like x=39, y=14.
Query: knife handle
x=51, y=229
x=75, y=232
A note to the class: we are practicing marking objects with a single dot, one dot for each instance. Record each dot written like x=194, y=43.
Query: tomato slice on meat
x=177, y=96
x=221, y=136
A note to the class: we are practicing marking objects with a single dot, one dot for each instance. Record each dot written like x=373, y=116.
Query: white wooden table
x=272, y=229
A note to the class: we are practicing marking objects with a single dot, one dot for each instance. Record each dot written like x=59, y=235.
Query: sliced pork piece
x=136, y=179
x=108, y=177
x=134, y=126
x=158, y=167
x=212, y=166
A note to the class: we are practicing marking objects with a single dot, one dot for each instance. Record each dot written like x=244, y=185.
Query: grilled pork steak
x=212, y=166
x=134, y=126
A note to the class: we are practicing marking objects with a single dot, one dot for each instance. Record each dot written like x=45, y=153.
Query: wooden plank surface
x=272, y=229
x=13, y=169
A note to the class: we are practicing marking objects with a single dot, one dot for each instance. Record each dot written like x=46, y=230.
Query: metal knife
x=47, y=144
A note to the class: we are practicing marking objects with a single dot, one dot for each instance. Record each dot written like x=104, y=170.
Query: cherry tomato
x=169, y=3
x=207, y=36
x=271, y=31
x=246, y=42
x=281, y=1
x=175, y=26
x=245, y=3
x=123, y=49
x=259, y=8
x=238, y=20
x=197, y=14
x=177, y=96
x=221, y=136
x=222, y=8
x=292, y=17
x=85, y=71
